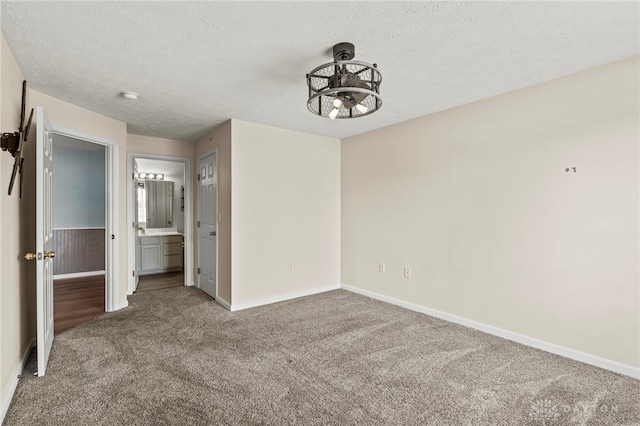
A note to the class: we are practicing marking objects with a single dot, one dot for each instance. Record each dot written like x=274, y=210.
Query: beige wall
x=159, y=146
x=219, y=140
x=477, y=202
x=69, y=116
x=283, y=207
x=15, y=306
x=286, y=209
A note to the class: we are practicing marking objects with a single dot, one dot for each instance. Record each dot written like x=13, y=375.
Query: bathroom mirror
x=155, y=204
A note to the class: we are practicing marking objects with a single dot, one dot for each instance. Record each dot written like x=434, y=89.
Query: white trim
x=121, y=305
x=112, y=173
x=289, y=296
x=224, y=303
x=79, y=228
x=78, y=275
x=113, y=213
x=76, y=134
x=14, y=383
x=131, y=231
x=614, y=366
x=188, y=217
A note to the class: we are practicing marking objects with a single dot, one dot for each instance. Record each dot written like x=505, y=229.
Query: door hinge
x=198, y=176
x=113, y=237
x=198, y=224
x=133, y=273
x=133, y=224
x=198, y=271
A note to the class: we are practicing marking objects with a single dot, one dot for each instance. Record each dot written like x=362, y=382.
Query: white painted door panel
x=207, y=231
x=44, y=239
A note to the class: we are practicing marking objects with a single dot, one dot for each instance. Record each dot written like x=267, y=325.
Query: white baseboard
x=120, y=306
x=78, y=275
x=289, y=296
x=14, y=383
x=607, y=364
x=223, y=303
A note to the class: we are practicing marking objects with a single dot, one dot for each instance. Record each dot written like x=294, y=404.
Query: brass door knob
x=34, y=256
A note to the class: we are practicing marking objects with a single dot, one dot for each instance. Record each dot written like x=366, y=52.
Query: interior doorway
x=79, y=216
x=159, y=238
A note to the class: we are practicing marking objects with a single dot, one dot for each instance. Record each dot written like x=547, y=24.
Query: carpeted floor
x=176, y=357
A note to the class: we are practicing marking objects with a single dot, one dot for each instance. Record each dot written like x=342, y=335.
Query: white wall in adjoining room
x=285, y=202
x=477, y=200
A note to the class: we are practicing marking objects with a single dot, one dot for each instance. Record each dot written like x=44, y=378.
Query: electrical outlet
x=407, y=272
x=290, y=266
x=381, y=267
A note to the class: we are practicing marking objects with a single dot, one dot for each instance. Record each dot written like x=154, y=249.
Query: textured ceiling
x=197, y=64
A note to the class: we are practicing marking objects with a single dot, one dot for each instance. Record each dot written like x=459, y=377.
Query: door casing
x=112, y=168
x=188, y=219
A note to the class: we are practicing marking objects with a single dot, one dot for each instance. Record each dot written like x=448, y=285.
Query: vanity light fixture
x=147, y=175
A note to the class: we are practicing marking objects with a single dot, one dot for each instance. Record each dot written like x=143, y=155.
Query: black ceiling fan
x=13, y=142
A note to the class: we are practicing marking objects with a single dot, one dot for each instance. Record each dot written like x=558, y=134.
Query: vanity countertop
x=159, y=232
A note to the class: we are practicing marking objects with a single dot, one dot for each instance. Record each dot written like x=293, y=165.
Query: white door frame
x=215, y=168
x=188, y=225
x=112, y=168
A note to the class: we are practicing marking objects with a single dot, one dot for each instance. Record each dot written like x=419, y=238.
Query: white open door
x=44, y=238
x=207, y=225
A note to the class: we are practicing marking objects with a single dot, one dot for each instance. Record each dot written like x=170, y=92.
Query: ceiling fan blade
x=351, y=99
x=24, y=104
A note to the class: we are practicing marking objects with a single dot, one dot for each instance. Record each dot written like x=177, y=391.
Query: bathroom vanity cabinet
x=160, y=253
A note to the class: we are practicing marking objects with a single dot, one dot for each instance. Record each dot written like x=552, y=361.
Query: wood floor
x=160, y=281
x=77, y=300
